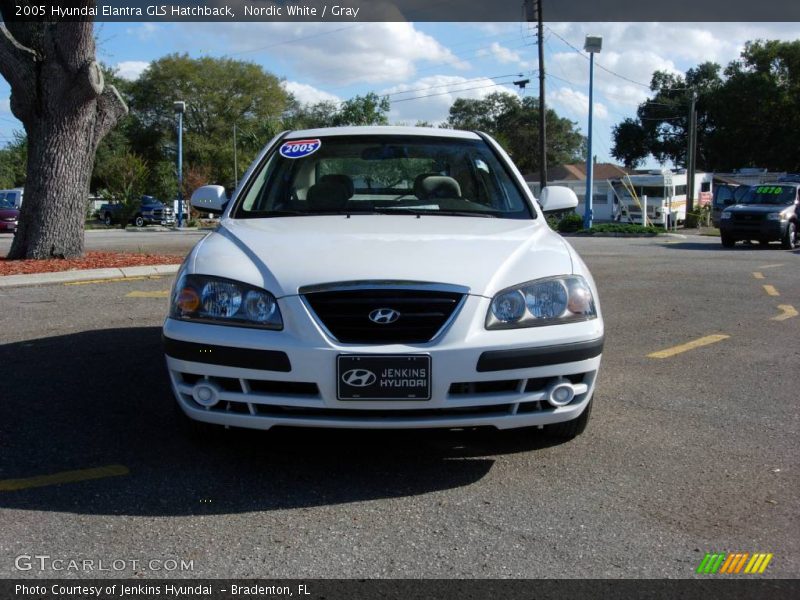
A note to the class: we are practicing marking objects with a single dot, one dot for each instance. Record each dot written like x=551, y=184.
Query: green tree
x=14, y=162
x=219, y=92
x=369, y=109
x=124, y=177
x=514, y=122
x=745, y=114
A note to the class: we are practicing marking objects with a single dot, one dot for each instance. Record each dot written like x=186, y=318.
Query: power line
x=452, y=83
x=607, y=70
x=479, y=87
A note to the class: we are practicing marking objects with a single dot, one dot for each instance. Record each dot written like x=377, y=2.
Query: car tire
x=108, y=220
x=138, y=221
x=789, y=241
x=727, y=241
x=569, y=430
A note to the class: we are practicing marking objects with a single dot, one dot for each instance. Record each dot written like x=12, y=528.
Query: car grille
x=162, y=213
x=346, y=314
x=748, y=217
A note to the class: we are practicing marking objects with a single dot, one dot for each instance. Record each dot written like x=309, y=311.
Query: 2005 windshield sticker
x=300, y=148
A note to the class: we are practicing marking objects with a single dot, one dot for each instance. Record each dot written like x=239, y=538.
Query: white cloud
x=571, y=103
x=636, y=50
x=308, y=94
x=144, y=31
x=433, y=96
x=502, y=54
x=131, y=69
x=330, y=53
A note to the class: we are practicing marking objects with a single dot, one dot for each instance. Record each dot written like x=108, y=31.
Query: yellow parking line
x=787, y=312
x=771, y=291
x=155, y=294
x=771, y=266
x=114, y=280
x=698, y=343
x=11, y=485
x=758, y=275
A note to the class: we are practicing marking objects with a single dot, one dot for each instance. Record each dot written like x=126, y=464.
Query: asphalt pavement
x=690, y=451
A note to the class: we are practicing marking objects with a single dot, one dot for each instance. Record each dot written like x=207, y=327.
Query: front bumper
x=288, y=378
x=753, y=229
x=8, y=225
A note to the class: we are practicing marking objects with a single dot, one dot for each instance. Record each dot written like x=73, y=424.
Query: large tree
x=369, y=109
x=59, y=94
x=746, y=114
x=514, y=122
x=219, y=93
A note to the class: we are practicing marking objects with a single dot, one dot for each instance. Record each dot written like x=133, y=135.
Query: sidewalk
x=86, y=275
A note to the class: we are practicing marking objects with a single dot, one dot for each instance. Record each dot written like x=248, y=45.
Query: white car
x=384, y=277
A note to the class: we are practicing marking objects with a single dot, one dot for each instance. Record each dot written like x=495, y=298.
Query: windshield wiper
x=409, y=210
x=464, y=213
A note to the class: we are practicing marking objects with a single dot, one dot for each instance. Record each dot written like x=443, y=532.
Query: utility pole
x=533, y=9
x=235, y=162
x=691, y=154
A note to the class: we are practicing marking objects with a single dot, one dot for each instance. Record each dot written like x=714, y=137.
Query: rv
x=664, y=193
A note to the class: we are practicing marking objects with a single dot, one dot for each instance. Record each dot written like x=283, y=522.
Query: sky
x=424, y=67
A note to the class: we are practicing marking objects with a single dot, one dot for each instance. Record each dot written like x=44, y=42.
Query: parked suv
x=151, y=212
x=766, y=213
x=384, y=277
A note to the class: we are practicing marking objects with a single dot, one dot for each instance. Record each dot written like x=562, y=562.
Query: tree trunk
x=56, y=190
x=59, y=94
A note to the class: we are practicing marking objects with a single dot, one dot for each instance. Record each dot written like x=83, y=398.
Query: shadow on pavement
x=717, y=247
x=101, y=397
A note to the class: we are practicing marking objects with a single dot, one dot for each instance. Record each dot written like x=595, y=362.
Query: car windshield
x=770, y=194
x=383, y=174
x=6, y=202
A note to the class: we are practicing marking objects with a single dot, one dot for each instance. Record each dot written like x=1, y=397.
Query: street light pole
x=235, y=160
x=592, y=45
x=180, y=108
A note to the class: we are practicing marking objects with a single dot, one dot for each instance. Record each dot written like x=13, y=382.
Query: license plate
x=385, y=377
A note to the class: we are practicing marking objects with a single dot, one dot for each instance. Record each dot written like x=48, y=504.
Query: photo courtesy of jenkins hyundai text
x=384, y=277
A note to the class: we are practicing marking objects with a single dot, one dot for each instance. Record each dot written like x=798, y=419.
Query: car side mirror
x=210, y=198
x=555, y=197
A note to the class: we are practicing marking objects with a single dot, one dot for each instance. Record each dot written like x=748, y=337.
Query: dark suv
x=766, y=213
x=150, y=212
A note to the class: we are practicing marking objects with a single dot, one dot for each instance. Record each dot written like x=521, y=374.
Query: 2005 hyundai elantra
x=384, y=277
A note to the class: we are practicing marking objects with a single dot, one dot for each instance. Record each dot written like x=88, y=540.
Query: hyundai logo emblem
x=359, y=377
x=384, y=316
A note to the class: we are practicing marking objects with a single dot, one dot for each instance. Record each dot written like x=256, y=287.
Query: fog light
x=561, y=394
x=205, y=394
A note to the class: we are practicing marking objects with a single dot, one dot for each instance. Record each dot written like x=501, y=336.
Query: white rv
x=663, y=192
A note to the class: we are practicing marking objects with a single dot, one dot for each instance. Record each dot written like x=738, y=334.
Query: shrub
x=570, y=223
x=623, y=228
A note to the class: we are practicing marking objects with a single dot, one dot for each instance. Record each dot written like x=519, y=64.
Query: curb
x=86, y=275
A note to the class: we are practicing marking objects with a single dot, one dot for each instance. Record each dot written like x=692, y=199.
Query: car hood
x=6, y=213
x=284, y=254
x=757, y=208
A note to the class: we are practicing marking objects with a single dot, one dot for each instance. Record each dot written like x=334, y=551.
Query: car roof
x=382, y=130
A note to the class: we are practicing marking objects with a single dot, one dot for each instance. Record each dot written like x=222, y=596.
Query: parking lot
x=692, y=447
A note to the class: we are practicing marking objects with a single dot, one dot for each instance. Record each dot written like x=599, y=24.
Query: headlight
x=725, y=215
x=224, y=302
x=775, y=216
x=543, y=302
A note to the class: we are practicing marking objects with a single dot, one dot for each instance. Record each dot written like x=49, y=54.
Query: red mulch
x=90, y=260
